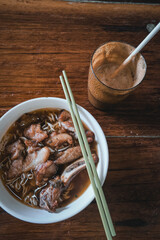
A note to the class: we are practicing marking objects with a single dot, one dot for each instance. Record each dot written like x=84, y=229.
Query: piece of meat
x=69, y=155
x=49, y=196
x=31, y=146
x=66, y=121
x=90, y=136
x=34, y=159
x=56, y=140
x=15, y=149
x=15, y=168
x=64, y=116
x=44, y=171
x=34, y=132
x=95, y=158
x=68, y=125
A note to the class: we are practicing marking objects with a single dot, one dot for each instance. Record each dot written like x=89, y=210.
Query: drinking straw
x=137, y=50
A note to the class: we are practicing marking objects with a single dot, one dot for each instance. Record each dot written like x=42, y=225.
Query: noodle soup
x=41, y=162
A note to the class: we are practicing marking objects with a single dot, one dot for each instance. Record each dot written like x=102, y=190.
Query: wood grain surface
x=38, y=39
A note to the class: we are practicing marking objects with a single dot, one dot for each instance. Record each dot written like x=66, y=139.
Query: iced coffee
x=102, y=88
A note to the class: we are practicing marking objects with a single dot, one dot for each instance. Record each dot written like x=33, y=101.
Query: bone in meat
x=72, y=170
x=50, y=195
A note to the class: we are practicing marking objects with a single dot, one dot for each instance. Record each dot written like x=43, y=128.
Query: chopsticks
x=91, y=169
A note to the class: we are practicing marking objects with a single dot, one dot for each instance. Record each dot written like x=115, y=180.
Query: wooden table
x=38, y=39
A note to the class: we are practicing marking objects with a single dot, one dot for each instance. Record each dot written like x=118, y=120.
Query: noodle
x=17, y=186
x=66, y=195
x=52, y=117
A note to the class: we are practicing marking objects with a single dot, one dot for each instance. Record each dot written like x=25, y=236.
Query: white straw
x=138, y=49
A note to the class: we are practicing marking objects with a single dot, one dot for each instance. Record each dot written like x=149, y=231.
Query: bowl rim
x=84, y=113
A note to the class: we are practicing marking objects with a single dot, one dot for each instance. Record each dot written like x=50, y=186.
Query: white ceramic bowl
x=26, y=213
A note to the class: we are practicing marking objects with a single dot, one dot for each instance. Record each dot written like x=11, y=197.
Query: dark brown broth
x=79, y=184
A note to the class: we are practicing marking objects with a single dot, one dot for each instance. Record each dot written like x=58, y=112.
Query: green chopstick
x=105, y=224
x=90, y=173
x=105, y=206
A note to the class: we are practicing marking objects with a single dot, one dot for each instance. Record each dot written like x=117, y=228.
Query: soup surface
x=41, y=162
